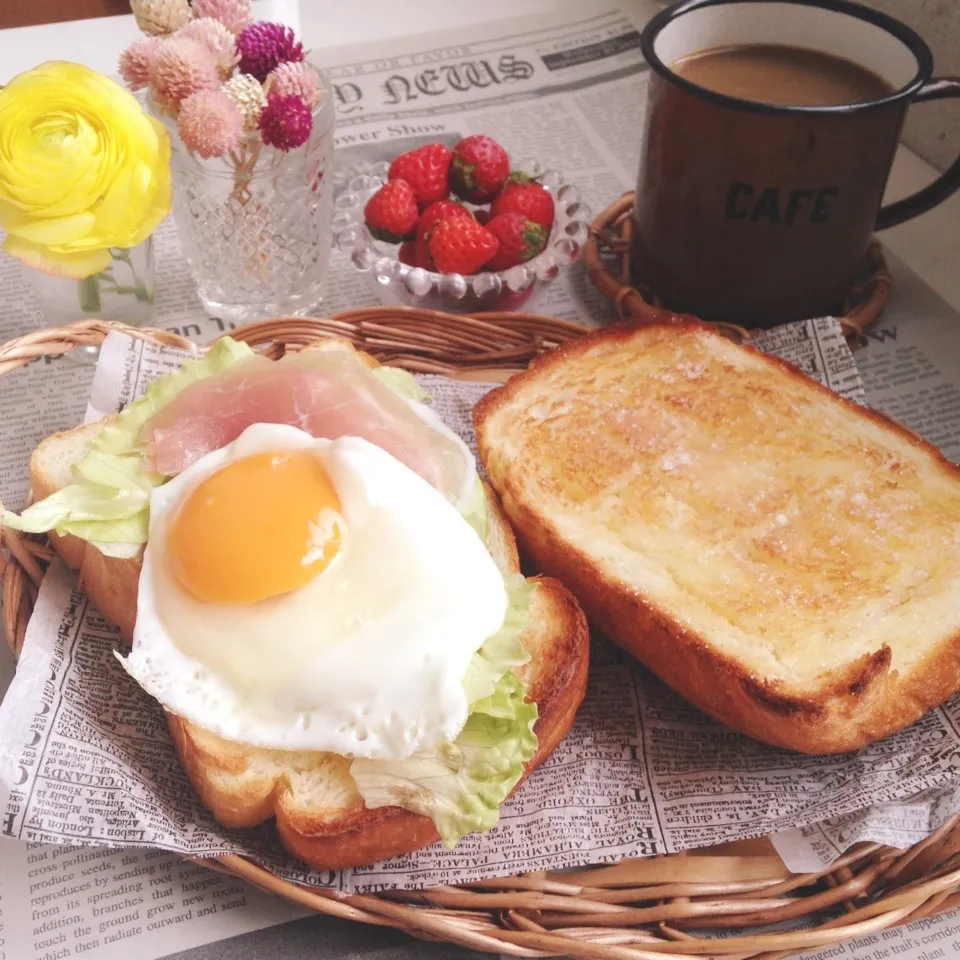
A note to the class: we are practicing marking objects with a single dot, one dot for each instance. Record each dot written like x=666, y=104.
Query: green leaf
x=534, y=240
x=518, y=176
x=475, y=510
x=109, y=504
x=504, y=650
x=460, y=785
x=402, y=382
x=80, y=502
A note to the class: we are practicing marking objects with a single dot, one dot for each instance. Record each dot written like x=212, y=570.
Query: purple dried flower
x=285, y=122
x=263, y=45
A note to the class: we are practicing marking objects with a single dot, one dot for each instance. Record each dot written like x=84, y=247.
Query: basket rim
x=418, y=339
x=639, y=909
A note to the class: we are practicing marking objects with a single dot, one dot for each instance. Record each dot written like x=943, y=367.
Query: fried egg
x=309, y=594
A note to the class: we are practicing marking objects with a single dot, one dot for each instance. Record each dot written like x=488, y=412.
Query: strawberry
x=482, y=215
x=427, y=170
x=479, y=168
x=441, y=210
x=407, y=253
x=523, y=195
x=391, y=213
x=461, y=245
x=520, y=239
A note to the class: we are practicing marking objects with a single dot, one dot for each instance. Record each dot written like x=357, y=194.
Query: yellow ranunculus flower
x=82, y=169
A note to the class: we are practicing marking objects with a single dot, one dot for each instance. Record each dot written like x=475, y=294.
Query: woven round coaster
x=638, y=909
x=607, y=258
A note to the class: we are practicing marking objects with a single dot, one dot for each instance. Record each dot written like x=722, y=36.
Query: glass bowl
x=399, y=283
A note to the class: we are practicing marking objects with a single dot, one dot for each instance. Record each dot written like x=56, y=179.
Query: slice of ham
x=328, y=394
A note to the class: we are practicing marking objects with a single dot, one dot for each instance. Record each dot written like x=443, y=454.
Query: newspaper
x=88, y=758
x=932, y=938
x=573, y=90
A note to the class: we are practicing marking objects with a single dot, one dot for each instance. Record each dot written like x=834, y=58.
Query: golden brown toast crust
x=849, y=706
x=240, y=793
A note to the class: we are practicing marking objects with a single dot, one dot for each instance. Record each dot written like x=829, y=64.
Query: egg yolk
x=259, y=527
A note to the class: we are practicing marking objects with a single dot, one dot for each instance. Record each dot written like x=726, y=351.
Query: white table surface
x=929, y=245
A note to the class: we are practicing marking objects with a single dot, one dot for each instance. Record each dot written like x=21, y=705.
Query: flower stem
x=88, y=290
x=138, y=288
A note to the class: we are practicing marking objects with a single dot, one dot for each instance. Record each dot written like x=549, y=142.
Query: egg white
x=366, y=660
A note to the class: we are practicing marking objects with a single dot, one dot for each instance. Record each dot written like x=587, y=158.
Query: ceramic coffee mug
x=758, y=213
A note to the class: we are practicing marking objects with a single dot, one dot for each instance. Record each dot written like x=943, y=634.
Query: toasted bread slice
x=321, y=818
x=786, y=560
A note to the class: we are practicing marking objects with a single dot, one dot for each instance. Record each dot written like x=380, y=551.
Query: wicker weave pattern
x=607, y=257
x=638, y=909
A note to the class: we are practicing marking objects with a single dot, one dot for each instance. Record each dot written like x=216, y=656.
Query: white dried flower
x=245, y=91
x=159, y=17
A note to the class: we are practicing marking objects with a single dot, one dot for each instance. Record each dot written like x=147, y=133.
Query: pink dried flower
x=299, y=79
x=263, y=45
x=181, y=68
x=217, y=39
x=136, y=60
x=210, y=123
x=285, y=122
x=233, y=14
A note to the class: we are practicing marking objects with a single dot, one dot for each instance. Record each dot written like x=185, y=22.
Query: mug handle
x=947, y=183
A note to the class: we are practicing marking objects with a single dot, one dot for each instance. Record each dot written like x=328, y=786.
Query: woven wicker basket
x=639, y=909
x=607, y=258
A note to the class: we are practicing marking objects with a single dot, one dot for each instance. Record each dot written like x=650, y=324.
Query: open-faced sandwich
x=322, y=595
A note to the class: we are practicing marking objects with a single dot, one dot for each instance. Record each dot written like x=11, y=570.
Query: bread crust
x=850, y=707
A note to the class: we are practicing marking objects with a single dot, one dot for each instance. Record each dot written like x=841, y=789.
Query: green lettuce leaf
x=504, y=650
x=475, y=510
x=109, y=504
x=460, y=785
x=402, y=382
